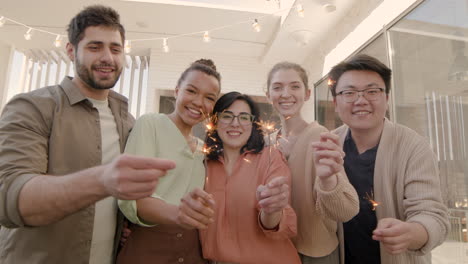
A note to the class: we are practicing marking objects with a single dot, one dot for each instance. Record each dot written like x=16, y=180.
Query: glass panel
x=324, y=108
x=430, y=67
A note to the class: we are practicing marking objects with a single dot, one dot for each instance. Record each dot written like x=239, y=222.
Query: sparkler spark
x=209, y=126
x=247, y=160
x=267, y=127
x=370, y=198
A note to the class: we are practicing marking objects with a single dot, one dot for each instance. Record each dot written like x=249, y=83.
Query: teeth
x=194, y=111
x=105, y=70
x=362, y=113
x=286, y=104
x=233, y=133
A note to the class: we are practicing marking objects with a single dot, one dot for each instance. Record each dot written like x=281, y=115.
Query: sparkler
x=268, y=128
x=209, y=121
x=370, y=198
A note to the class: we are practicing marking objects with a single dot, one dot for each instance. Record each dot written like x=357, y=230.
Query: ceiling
x=284, y=35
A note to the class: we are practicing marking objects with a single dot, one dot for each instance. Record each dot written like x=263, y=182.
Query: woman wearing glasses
x=253, y=221
x=321, y=194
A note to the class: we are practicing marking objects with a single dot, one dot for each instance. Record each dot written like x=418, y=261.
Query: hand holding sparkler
x=397, y=236
x=272, y=199
x=196, y=210
x=328, y=158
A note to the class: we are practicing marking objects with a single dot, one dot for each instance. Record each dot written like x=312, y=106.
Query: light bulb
x=28, y=34
x=300, y=10
x=58, y=41
x=256, y=26
x=165, y=46
x=128, y=46
x=206, y=37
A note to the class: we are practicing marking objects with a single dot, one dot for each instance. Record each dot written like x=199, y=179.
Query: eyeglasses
x=243, y=118
x=371, y=94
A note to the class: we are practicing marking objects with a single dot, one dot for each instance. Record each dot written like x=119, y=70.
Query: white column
x=6, y=56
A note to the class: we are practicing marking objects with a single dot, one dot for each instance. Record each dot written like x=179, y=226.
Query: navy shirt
x=359, y=245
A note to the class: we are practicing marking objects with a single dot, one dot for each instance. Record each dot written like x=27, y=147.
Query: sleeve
x=423, y=200
x=24, y=133
x=278, y=167
x=140, y=142
x=340, y=204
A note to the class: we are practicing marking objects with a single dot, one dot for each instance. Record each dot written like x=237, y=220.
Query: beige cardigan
x=407, y=186
x=317, y=211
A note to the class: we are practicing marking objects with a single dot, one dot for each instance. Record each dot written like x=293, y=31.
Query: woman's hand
x=328, y=158
x=272, y=199
x=196, y=210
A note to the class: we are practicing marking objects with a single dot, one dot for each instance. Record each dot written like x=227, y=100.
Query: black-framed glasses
x=228, y=117
x=371, y=94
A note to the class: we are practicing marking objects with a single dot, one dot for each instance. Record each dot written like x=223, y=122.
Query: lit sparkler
x=370, y=198
x=268, y=128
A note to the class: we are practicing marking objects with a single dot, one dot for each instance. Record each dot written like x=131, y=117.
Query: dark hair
x=285, y=65
x=91, y=16
x=206, y=66
x=361, y=62
x=255, y=143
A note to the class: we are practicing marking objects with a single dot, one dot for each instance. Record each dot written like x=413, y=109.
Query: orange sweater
x=236, y=235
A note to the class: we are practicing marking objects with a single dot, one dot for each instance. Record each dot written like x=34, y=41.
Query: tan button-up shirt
x=56, y=131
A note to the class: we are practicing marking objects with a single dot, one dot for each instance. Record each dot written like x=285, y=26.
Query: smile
x=194, y=112
x=361, y=113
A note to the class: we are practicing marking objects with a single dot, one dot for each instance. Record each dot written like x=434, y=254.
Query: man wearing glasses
x=395, y=173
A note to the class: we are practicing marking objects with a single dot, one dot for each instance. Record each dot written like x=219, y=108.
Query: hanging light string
x=29, y=28
x=255, y=22
x=201, y=32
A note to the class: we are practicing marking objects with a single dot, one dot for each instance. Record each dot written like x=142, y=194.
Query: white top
x=102, y=244
x=156, y=135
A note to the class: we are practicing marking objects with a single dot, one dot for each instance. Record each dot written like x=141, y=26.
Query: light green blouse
x=155, y=135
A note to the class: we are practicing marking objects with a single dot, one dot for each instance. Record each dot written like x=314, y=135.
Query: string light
x=58, y=41
x=165, y=46
x=128, y=46
x=28, y=34
x=256, y=26
x=300, y=10
x=206, y=36
x=206, y=33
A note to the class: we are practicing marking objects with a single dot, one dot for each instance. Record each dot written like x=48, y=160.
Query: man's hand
x=132, y=177
x=328, y=158
x=196, y=210
x=397, y=236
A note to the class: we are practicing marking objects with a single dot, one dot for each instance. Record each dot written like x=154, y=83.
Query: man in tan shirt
x=402, y=216
x=60, y=155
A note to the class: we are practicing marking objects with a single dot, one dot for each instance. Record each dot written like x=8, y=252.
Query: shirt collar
x=74, y=94
x=72, y=91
